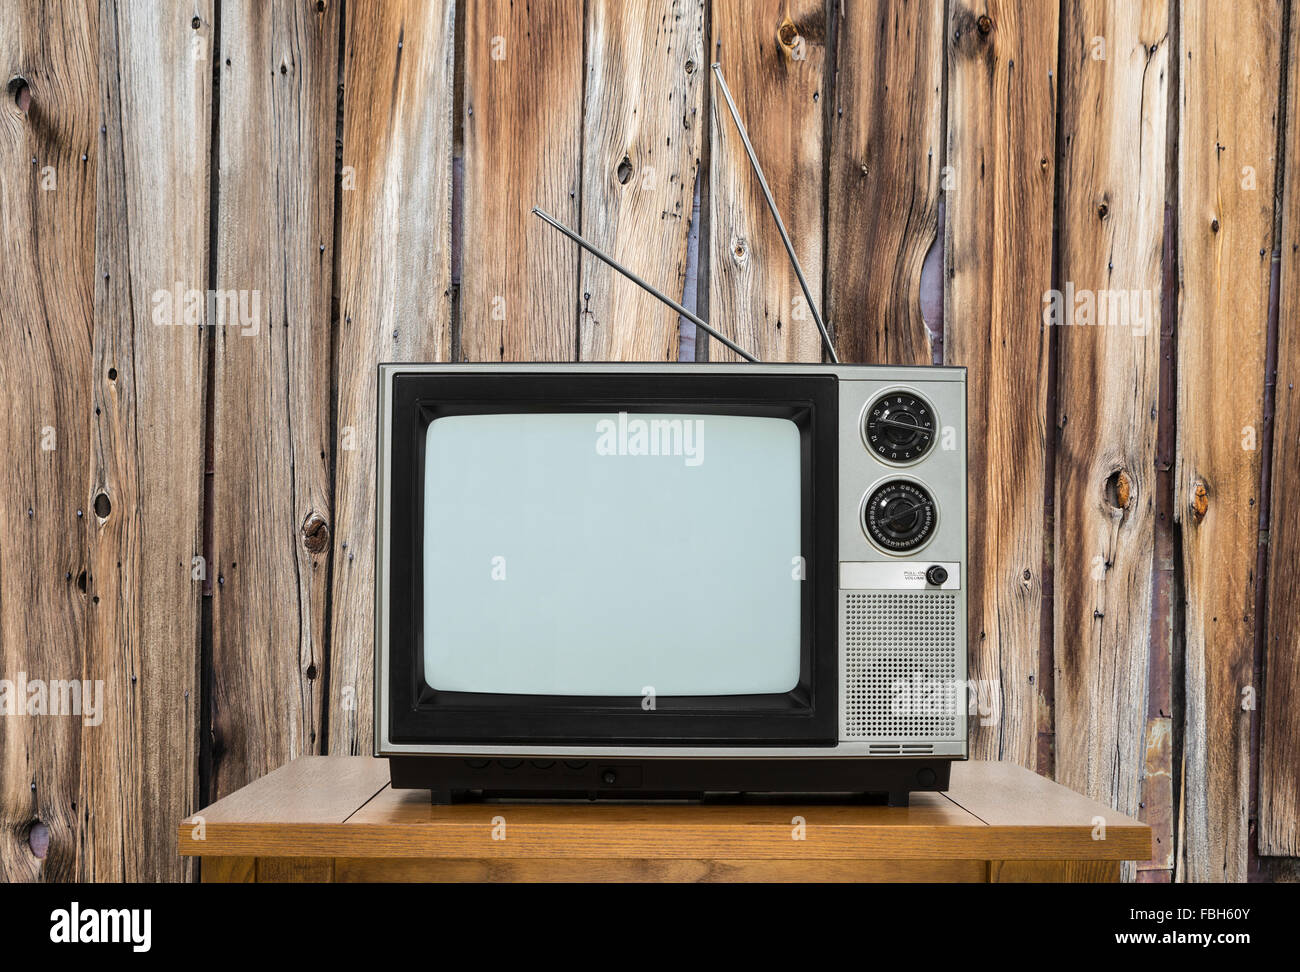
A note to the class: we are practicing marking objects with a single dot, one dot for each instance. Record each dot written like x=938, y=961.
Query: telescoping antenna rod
x=700, y=323
x=776, y=215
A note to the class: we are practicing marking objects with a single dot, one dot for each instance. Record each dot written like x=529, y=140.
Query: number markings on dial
x=899, y=515
x=900, y=427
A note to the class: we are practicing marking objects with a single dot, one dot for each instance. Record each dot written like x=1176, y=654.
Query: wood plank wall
x=1113, y=109
x=997, y=266
x=187, y=513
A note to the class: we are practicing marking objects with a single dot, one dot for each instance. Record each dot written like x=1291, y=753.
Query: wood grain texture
x=886, y=148
x=1114, y=95
x=295, y=870
x=229, y=870
x=1279, y=748
x=1230, y=85
x=997, y=256
x=523, y=148
x=147, y=438
x=271, y=508
x=1037, y=872
x=394, y=288
x=1001, y=812
x=1005, y=795
x=601, y=870
x=773, y=55
x=48, y=157
x=311, y=789
x=642, y=125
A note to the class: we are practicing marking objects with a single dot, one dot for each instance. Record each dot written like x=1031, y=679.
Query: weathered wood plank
x=394, y=288
x=523, y=148
x=997, y=255
x=272, y=384
x=49, y=149
x=773, y=55
x=1159, y=803
x=1279, y=749
x=642, y=127
x=147, y=437
x=1114, y=95
x=1230, y=85
x=886, y=147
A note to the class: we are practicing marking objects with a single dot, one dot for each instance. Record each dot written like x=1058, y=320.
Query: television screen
x=612, y=554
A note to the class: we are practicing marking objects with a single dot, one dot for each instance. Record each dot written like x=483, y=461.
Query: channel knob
x=899, y=427
x=899, y=515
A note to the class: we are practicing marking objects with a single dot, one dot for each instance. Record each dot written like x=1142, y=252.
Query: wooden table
x=335, y=818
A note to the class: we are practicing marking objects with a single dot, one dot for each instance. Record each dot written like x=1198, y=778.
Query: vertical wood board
x=522, y=121
x=886, y=151
x=997, y=261
x=1230, y=78
x=49, y=149
x=773, y=55
x=146, y=572
x=1114, y=96
x=394, y=290
x=642, y=127
x=271, y=510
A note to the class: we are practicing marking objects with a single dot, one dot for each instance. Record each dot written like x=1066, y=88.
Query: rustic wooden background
x=368, y=171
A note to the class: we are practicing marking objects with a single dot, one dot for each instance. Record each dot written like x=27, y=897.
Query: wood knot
x=315, y=533
x=1200, y=501
x=1118, y=489
x=21, y=93
x=788, y=35
x=38, y=839
x=739, y=250
x=984, y=24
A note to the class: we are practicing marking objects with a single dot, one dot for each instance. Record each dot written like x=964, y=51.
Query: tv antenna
x=776, y=214
x=780, y=225
x=598, y=254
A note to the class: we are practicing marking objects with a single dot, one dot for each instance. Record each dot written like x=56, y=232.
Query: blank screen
x=612, y=554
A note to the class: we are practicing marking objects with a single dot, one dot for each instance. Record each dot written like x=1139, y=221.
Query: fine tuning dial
x=899, y=427
x=899, y=515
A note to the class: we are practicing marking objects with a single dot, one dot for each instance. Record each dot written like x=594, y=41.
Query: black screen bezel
x=807, y=715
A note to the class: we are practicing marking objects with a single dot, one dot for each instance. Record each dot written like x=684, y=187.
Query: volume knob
x=936, y=576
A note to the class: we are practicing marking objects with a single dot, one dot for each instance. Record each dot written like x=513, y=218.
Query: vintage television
x=653, y=580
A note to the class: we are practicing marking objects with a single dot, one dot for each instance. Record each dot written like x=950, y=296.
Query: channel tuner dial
x=899, y=515
x=899, y=427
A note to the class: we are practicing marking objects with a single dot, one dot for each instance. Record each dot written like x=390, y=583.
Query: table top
x=343, y=806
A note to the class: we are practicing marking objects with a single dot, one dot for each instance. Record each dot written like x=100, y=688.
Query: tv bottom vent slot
x=901, y=749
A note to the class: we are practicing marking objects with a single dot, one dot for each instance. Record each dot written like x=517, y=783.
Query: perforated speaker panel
x=901, y=670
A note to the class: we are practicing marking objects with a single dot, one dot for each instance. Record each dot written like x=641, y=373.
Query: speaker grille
x=900, y=675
